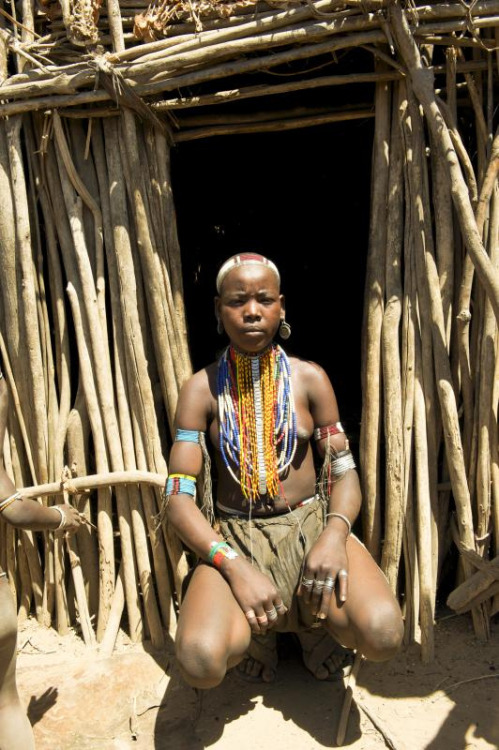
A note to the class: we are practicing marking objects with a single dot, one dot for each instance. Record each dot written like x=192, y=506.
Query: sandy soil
x=77, y=700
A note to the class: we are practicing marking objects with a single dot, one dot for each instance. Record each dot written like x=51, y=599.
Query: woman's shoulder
x=201, y=381
x=196, y=397
x=306, y=368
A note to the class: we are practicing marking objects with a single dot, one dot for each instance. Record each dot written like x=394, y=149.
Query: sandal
x=324, y=657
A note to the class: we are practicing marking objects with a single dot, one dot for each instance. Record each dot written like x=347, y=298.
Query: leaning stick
x=107, y=643
x=8, y=288
x=28, y=312
x=17, y=406
x=392, y=387
x=423, y=515
x=408, y=388
x=104, y=513
x=351, y=683
x=161, y=160
x=34, y=581
x=486, y=405
x=464, y=314
x=77, y=574
x=78, y=428
x=373, y=320
x=26, y=589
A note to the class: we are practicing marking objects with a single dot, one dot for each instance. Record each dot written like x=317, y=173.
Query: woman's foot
x=323, y=656
x=260, y=662
x=253, y=670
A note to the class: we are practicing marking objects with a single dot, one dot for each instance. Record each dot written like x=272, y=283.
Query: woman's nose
x=252, y=309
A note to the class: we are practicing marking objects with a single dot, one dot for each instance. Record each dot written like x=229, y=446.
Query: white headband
x=245, y=259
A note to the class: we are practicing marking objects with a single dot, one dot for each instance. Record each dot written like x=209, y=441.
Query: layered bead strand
x=257, y=419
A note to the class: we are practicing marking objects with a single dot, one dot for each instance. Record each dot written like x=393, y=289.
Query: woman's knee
x=202, y=660
x=381, y=633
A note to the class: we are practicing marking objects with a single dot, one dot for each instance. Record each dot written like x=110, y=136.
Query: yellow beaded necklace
x=257, y=419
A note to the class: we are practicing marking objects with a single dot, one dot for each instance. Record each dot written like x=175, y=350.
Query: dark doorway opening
x=301, y=198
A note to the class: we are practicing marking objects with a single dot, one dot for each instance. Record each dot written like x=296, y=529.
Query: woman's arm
x=254, y=592
x=22, y=512
x=186, y=458
x=328, y=558
x=26, y=513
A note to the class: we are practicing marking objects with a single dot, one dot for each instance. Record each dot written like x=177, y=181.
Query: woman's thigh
x=210, y=617
x=371, y=611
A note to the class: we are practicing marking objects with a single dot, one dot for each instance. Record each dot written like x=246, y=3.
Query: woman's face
x=250, y=307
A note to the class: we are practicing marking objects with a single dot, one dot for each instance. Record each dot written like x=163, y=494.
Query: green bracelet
x=215, y=546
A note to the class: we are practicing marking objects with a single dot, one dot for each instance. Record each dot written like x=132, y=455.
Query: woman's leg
x=213, y=633
x=15, y=729
x=370, y=620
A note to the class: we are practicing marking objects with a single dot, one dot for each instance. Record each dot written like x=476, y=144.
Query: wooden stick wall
x=430, y=407
x=93, y=333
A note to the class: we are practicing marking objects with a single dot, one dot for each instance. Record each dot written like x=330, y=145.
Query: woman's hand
x=255, y=593
x=70, y=518
x=325, y=571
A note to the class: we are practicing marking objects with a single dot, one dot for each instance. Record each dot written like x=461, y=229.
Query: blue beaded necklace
x=257, y=419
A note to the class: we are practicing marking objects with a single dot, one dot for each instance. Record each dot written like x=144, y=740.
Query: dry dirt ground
x=78, y=700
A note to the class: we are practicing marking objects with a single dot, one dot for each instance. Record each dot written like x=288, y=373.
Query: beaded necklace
x=257, y=419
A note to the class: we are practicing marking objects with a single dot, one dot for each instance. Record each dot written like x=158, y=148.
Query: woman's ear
x=283, y=306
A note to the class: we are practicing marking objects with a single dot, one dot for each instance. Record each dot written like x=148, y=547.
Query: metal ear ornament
x=284, y=330
x=220, y=327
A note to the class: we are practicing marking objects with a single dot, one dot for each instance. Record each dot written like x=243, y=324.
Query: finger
x=251, y=617
x=280, y=607
x=306, y=586
x=343, y=584
x=327, y=592
x=317, y=592
x=262, y=622
x=271, y=615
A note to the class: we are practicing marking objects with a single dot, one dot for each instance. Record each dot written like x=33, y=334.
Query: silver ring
x=307, y=581
x=319, y=584
x=280, y=607
x=343, y=572
x=272, y=614
x=250, y=614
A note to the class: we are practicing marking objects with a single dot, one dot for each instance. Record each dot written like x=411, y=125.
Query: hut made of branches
x=95, y=96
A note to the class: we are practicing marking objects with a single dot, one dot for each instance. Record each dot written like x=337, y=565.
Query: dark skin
x=222, y=607
x=25, y=513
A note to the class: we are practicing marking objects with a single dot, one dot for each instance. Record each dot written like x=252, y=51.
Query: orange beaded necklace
x=257, y=419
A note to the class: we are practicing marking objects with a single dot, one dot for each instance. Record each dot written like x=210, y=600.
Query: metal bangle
x=334, y=514
x=63, y=516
